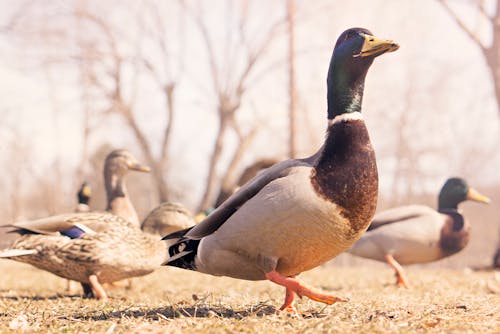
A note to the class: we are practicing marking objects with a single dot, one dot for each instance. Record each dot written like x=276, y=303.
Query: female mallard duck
x=71, y=245
x=417, y=233
x=117, y=165
x=167, y=218
x=91, y=248
x=83, y=195
x=300, y=213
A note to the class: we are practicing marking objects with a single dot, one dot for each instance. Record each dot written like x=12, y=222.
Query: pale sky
x=434, y=53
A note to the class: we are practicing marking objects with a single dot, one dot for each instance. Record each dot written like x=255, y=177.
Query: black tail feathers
x=181, y=251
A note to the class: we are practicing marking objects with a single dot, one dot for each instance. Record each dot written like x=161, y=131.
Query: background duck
x=83, y=196
x=248, y=174
x=417, y=233
x=91, y=248
x=167, y=218
x=301, y=213
x=116, y=167
x=43, y=242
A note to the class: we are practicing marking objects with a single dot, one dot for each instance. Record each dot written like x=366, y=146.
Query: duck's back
x=121, y=251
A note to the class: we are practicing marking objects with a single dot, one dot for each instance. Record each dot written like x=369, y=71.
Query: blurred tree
x=249, y=172
x=292, y=91
x=104, y=63
x=230, y=73
x=490, y=50
x=16, y=172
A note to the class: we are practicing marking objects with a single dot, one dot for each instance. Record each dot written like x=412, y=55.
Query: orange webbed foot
x=295, y=286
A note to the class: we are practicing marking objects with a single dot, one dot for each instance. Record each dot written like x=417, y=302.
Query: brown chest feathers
x=455, y=233
x=346, y=174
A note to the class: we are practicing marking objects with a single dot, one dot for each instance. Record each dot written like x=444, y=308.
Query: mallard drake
x=83, y=196
x=417, y=233
x=300, y=213
x=167, y=218
x=91, y=248
x=117, y=165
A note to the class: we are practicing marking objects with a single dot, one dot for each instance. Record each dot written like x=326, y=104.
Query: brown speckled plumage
x=91, y=247
x=116, y=250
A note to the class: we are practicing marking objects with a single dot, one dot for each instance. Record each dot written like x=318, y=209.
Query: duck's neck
x=346, y=171
x=344, y=98
x=117, y=198
x=346, y=83
x=115, y=186
x=445, y=203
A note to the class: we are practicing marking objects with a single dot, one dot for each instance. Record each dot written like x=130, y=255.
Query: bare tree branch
x=230, y=178
x=462, y=25
x=16, y=17
x=208, y=44
x=482, y=10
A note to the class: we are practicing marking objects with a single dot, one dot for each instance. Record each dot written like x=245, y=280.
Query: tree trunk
x=156, y=168
x=491, y=53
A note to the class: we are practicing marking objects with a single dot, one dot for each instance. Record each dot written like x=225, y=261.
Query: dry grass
x=177, y=301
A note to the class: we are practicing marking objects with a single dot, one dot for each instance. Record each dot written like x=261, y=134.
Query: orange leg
x=289, y=298
x=402, y=281
x=97, y=288
x=293, y=285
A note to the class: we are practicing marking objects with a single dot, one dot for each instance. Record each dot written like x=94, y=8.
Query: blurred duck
x=285, y=220
x=84, y=246
x=83, y=195
x=249, y=173
x=167, y=218
x=417, y=233
x=117, y=165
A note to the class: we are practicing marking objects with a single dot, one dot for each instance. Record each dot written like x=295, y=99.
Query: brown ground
x=174, y=301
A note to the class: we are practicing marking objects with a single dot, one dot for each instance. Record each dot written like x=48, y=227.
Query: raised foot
x=295, y=286
x=319, y=296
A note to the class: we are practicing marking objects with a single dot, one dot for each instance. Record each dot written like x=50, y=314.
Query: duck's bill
x=87, y=191
x=140, y=168
x=474, y=195
x=374, y=47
